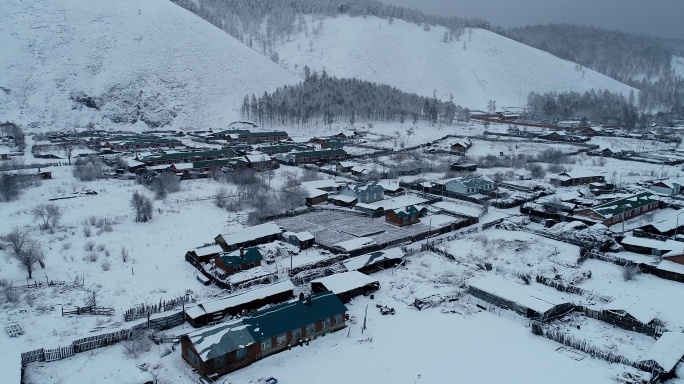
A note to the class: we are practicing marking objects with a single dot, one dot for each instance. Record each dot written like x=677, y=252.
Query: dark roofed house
x=229, y=346
x=462, y=146
x=619, y=210
x=332, y=144
x=568, y=179
x=303, y=240
x=240, y=260
x=204, y=254
x=307, y=157
x=405, y=216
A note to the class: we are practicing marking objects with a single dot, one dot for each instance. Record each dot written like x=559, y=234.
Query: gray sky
x=664, y=18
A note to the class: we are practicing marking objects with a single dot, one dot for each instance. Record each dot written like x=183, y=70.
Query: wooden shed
x=375, y=261
x=346, y=285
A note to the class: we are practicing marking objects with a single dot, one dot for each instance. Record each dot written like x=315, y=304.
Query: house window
x=296, y=334
x=337, y=320
x=193, y=357
x=326, y=323
x=281, y=339
x=266, y=345
x=236, y=269
x=310, y=329
x=251, y=265
x=241, y=354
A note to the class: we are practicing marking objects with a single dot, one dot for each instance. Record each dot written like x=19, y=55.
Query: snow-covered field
x=123, y=54
x=476, y=68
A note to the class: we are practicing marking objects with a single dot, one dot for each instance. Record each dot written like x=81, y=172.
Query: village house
x=250, y=236
x=133, y=142
x=633, y=309
x=365, y=193
x=532, y=301
x=375, y=261
x=328, y=185
x=391, y=189
x=466, y=185
x=203, y=254
x=232, y=345
x=346, y=166
x=343, y=200
x=257, y=137
x=667, y=187
x=283, y=148
x=187, y=157
x=569, y=179
x=308, y=157
x=216, y=310
x=315, y=196
x=462, y=146
x=649, y=246
x=369, y=209
x=464, y=167
x=303, y=240
x=259, y=161
x=241, y=260
x=346, y=285
x=405, y=216
x=619, y=210
x=332, y=144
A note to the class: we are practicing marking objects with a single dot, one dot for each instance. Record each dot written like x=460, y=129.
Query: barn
x=250, y=236
x=532, y=301
x=203, y=254
x=346, y=285
x=215, y=310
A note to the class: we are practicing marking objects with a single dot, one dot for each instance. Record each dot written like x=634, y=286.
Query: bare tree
x=164, y=184
x=142, y=206
x=50, y=214
x=221, y=198
x=67, y=146
x=25, y=249
x=630, y=271
x=89, y=169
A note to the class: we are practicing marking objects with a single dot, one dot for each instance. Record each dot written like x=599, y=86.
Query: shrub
x=101, y=247
x=89, y=246
x=134, y=348
x=630, y=272
x=87, y=232
x=89, y=169
x=106, y=265
x=91, y=257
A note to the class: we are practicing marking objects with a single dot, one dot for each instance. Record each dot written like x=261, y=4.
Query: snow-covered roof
x=301, y=236
x=203, y=251
x=667, y=245
x=667, y=265
x=4, y=151
x=239, y=299
x=345, y=282
x=668, y=224
x=344, y=198
x=578, y=174
x=667, y=350
x=256, y=158
x=325, y=183
x=355, y=243
x=251, y=233
x=367, y=206
x=313, y=192
x=635, y=307
x=536, y=297
x=373, y=258
x=388, y=186
x=399, y=201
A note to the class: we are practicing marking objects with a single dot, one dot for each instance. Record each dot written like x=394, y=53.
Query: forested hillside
x=325, y=99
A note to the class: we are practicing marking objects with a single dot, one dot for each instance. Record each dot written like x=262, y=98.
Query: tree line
x=328, y=100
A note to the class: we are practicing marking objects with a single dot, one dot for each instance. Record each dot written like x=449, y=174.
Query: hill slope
x=148, y=63
x=405, y=56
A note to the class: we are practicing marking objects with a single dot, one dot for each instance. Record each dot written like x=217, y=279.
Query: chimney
x=242, y=252
x=301, y=296
x=308, y=299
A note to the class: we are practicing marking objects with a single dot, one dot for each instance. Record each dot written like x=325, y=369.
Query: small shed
x=344, y=200
x=667, y=351
x=369, y=209
x=303, y=240
x=632, y=308
x=355, y=246
x=250, y=236
x=532, y=301
x=464, y=167
x=204, y=254
x=316, y=196
x=215, y=310
x=375, y=261
x=346, y=285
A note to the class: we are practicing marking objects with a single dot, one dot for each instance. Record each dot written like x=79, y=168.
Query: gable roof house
x=332, y=144
x=405, y=216
x=568, y=179
x=240, y=260
x=232, y=345
x=631, y=309
x=462, y=146
x=250, y=236
x=667, y=352
x=616, y=211
x=467, y=185
x=204, y=254
x=365, y=193
x=668, y=187
x=307, y=157
x=303, y=240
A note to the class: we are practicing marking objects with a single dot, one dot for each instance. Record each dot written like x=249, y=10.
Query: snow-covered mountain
x=132, y=62
x=477, y=67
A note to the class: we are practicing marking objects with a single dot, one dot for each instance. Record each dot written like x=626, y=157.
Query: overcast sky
x=664, y=18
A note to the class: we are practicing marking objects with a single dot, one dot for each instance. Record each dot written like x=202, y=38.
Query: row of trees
x=262, y=23
x=330, y=100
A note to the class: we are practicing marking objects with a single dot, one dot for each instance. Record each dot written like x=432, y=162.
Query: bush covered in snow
x=598, y=236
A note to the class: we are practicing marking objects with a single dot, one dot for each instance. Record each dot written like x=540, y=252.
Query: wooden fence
x=144, y=310
x=624, y=322
x=559, y=286
x=569, y=340
x=89, y=310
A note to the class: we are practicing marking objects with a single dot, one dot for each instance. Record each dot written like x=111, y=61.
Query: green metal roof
x=265, y=324
x=284, y=148
x=620, y=206
x=334, y=144
x=189, y=155
x=262, y=134
x=214, y=163
x=325, y=152
x=234, y=258
x=411, y=210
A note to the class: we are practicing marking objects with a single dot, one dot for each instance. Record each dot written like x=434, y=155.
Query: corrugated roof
x=619, y=206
